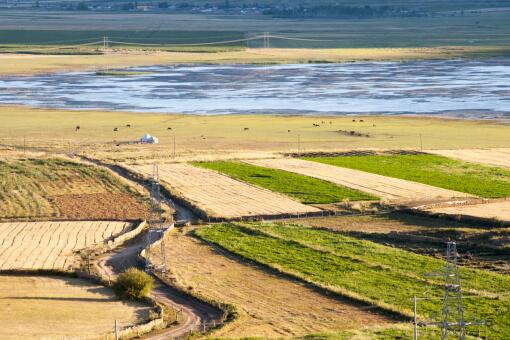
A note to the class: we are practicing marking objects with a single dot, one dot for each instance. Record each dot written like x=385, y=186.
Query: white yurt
x=148, y=139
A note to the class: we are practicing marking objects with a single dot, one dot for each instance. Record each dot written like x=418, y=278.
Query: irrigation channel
x=458, y=88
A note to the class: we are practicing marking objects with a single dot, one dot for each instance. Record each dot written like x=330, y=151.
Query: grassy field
x=482, y=247
x=305, y=189
x=225, y=137
x=57, y=188
x=35, y=307
x=247, y=288
x=479, y=180
x=487, y=28
x=381, y=275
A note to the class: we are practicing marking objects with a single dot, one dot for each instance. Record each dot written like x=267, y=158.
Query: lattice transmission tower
x=452, y=323
x=157, y=226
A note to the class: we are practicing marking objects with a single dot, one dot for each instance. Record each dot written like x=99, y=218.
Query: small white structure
x=148, y=139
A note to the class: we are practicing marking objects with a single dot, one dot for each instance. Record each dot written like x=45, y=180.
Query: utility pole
x=105, y=48
x=415, y=330
x=266, y=39
x=421, y=144
x=116, y=331
x=174, y=146
x=299, y=145
x=24, y=145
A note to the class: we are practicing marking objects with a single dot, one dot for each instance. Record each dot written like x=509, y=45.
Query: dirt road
x=192, y=313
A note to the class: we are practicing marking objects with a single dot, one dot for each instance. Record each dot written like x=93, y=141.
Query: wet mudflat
x=461, y=88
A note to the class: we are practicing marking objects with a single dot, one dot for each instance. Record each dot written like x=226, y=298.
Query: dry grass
x=385, y=187
x=221, y=196
x=499, y=210
x=211, y=137
x=269, y=306
x=35, y=64
x=51, y=245
x=34, y=307
x=495, y=157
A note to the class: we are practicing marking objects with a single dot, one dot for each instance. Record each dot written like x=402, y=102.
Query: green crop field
x=307, y=190
x=380, y=275
x=443, y=172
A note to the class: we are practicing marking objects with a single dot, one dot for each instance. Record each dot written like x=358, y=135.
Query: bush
x=133, y=284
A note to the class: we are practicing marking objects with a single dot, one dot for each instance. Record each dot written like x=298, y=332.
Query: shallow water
x=474, y=89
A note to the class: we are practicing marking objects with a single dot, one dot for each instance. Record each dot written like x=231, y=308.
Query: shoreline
x=35, y=64
x=265, y=115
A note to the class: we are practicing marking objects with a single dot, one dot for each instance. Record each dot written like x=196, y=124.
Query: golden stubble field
x=269, y=305
x=52, y=245
x=496, y=157
x=35, y=307
x=221, y=196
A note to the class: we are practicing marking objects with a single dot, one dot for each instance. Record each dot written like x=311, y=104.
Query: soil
x=100, y=206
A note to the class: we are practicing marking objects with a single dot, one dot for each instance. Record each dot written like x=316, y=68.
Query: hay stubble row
x=222, y=196
x=392, y=189
x=51, y=245
x=496, y=157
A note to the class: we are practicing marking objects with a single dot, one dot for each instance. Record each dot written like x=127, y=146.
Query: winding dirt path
x=193, y=313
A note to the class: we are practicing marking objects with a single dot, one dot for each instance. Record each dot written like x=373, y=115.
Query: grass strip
x=439, y=171
x=306, y=189
x=389, y=288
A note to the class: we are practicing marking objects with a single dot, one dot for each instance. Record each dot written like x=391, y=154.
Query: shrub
x=133, y=284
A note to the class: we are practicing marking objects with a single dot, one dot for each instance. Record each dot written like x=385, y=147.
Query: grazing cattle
x=128, y=125
x=115, y=129
x=354, y=120
x=361, y=120
x=288, y=130
x=246, y=129
x=169, y=128
x=77, y=128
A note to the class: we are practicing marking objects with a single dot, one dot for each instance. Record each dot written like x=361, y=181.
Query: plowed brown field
x=269, y=306
x=221, y=196
x=51, y=245
x=389, y=188
x=497, y=157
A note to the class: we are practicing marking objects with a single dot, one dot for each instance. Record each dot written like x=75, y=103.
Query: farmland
x=56, y=188
x=498, y=210
x=220, y=196
x=493, y=157
x=34, y=307
x=247, y=288
x=361, y=269
x=482, y=246
x=52, y=245
x=489, y=28
x=388, y=188
x=439, y=171
x=307, y=190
